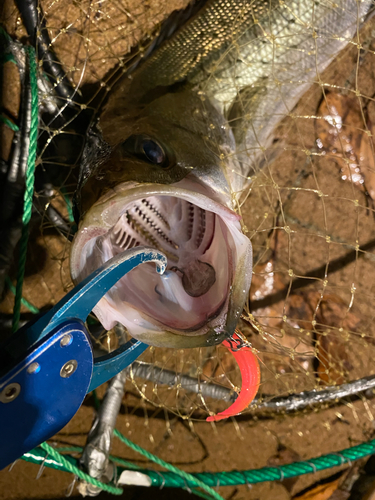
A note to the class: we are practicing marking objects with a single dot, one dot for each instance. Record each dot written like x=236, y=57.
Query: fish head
x=163, y=180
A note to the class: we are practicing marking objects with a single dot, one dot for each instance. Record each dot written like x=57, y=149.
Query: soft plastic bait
x=250, y=373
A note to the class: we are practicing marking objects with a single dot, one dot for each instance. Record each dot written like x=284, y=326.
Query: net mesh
x=309, y=213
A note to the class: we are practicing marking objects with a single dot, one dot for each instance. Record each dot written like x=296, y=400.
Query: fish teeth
x=170, y=225
x=202, y=228
x=151, y=207
x=191, y=221
x=149, y=223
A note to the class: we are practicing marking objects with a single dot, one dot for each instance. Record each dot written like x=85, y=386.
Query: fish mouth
x=198, y=300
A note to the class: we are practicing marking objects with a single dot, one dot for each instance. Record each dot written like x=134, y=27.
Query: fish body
x=177, y=141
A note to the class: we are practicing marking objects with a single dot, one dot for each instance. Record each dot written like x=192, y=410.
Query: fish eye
x=153, y=152
x=147, y=149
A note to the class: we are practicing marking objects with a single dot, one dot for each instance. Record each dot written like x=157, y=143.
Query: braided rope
x=232, y=478
x=252, y=476
x=29, y=189
x=68, y=466
x=186, y=478
x=9, y=123
x=24, y=302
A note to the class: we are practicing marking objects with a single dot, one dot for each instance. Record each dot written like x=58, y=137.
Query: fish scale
x=278, y=49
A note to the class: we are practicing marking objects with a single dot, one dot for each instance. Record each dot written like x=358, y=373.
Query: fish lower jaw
x=191, y=298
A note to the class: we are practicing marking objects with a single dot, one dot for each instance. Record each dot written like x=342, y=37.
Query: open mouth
x=201, y=240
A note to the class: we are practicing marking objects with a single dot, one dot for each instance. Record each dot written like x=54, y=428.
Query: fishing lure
x=250, y=372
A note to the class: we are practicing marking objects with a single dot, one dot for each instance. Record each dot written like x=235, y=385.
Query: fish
x=177, y=142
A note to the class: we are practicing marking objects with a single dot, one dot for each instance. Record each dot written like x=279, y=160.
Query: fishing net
x=309, y=213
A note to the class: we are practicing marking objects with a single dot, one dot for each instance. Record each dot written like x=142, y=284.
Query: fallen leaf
x=344, y=130
x=329, y=313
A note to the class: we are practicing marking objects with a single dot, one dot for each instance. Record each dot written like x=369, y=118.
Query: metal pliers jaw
x=47, y=367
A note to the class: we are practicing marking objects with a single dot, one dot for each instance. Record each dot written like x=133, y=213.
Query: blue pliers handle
x=47, y=367
x=80, y=301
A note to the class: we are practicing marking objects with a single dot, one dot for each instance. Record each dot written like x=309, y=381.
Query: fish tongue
x=197, y=278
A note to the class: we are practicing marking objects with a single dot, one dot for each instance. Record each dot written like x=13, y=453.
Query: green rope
x=201, y=494
x=9, y=57
x=24, y=302
x=66, y=449
x=124, y=463
x=68, y=202
x=232, y=478
x=253, y=476
x=5, y=34
x=68, y=466
x=29, y=190
x=38, y=456
x=184, y=476
x=9, y=123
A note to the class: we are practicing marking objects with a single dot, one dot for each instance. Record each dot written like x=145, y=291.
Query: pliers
x=47, y=367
